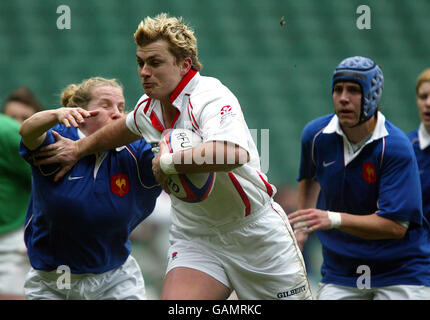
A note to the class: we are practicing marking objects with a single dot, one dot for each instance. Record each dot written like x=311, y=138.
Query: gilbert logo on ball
x=193, y=187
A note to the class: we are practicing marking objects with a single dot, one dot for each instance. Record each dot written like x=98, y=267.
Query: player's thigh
x=329, y=291
x=266, y=262
x=182, y=283
x=402, y=292
x=37, y=287
x=193, y=270
x=123, y=283
x=14, y=264
x=14, y=267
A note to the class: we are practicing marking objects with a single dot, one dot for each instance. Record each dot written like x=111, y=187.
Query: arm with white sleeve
x=224, y=146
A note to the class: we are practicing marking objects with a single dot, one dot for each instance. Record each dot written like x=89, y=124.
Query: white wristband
x=335, y=219
x=167, y=165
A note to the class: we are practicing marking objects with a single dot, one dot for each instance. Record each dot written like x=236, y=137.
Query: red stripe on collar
x=145, y=110
x=185, y=80
x=156, y=122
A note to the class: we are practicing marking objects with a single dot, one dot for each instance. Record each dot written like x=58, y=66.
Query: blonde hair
x=79, y=95
x=181, y=39
x=423, y=77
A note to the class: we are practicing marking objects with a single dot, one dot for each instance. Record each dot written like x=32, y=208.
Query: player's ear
x=186, y=65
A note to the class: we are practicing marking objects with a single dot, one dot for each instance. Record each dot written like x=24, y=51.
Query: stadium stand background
x=280, y=74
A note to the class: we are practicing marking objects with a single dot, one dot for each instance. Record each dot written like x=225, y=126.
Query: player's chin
x=348, y=122
x=425, y=119
x=153, y=93
x=148, y=92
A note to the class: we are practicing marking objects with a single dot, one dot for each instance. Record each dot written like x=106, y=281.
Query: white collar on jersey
x=81, y=135
x=180, y=95
x=379, y=132
x=423, y=137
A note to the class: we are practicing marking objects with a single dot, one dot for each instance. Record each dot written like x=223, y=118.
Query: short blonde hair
x=181, y=39
x=80, y=95
x=423, y=77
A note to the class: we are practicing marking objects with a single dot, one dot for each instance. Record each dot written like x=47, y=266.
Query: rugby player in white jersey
x=236, y=239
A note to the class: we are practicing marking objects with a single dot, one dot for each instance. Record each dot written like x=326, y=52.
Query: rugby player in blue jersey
x=420, y=138
x=361, y=173
x=77, y=230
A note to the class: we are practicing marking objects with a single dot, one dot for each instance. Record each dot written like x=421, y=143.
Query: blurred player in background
x=21, y=104
x=150, y=242
x=15, y=187
x=420, y=138
x=84, y=221
x=238, y=238
x=361, y=172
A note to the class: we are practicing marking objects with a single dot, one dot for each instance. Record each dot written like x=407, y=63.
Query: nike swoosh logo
x=326, y=164
x=74, y=178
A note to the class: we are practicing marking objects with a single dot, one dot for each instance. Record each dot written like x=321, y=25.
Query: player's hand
x=310, y=220
x=159, y=175
x=64, y=151
x=74, y=116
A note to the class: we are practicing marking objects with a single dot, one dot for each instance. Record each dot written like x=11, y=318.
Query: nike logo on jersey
x=326, y=164
x=70, y=178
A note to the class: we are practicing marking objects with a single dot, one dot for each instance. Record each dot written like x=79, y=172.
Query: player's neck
x=169, y=113
x=358, y=133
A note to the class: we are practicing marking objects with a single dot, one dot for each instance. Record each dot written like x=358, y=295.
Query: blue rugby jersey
x=423, y=159
x=84, y=220
x=382, y=177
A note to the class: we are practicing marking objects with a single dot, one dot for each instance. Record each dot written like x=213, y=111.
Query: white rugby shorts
x=259, y=258
x=329, y=291
x=123, y=283
x=14, y=263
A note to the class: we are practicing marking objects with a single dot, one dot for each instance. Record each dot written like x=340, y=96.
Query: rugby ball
x=194, y=187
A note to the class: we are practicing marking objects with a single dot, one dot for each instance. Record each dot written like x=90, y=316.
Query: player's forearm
x=210, y=157
x=308, y=191
x=113, y=135
x=371, y=227
x=34, y=128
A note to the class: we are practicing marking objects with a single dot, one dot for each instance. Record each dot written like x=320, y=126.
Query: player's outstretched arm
x=113, y=135
x=33, y=130
x=370, y=227
x=67, y=152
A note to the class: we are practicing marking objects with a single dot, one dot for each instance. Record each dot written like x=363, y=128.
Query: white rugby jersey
x=205, y=106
